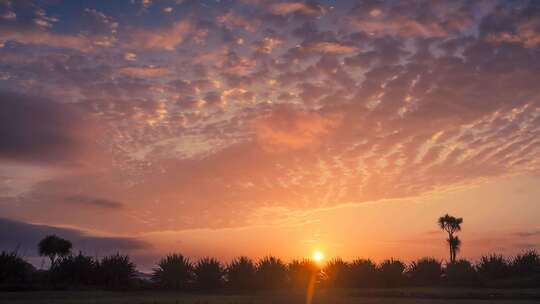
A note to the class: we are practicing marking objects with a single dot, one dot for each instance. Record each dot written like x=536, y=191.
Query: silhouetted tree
x=425, y=271
x=74, y=270
x=391, y=273
x=54, y=247
x=13, y=269
x=302, y=273
x=363, y=273
x=461, y=273
x=455, y=243
x=337, y=273
x=451, y=225
x=271, y=273
x=526, y=264
x=241, y=274
x=208, y=274
x=116, y=271
x=173, y=272
x=493, y=267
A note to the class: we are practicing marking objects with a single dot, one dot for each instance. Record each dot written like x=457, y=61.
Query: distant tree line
x=177, y=272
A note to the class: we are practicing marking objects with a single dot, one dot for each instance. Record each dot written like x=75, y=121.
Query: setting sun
x=318, y=256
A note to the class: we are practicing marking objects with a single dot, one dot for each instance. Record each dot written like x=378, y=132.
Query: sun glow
x=318, y=256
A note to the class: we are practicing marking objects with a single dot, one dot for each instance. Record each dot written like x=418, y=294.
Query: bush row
x=176, y=272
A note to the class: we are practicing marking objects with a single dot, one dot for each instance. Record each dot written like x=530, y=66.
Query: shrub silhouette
x=337, y=273
x=208, y=274
x=302, y=273
x=74, y=270
x=241, y=274
x=54, y=247
x=173, y=272
x=390, y=273
x=461, y=273
x=14, y=270
x=424, y=272
x=526, y=264
x=363, y=273
x=493, y=267
x=116, y=271
x=271, y=273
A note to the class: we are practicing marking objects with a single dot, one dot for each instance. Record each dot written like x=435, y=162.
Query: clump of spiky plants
x=302, y=273
x=116, y=271
x=240, y=274
x=363, y=273
x=337, y=273
x=208, y=274
x=391, y=272
x=271, y=273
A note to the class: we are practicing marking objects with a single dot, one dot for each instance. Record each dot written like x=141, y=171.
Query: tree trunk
x=450, y=236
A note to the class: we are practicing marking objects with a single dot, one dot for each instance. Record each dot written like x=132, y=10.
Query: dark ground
x=375, y=296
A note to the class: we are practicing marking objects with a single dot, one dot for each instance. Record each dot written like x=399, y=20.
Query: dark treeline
x=176, y=272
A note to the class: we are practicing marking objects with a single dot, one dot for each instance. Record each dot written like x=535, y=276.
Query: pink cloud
x=527, y=34
x=161, y=38
x=285, y=128
x=145, y=71
x=293, y=7
x=329, y=47
x=76, y=42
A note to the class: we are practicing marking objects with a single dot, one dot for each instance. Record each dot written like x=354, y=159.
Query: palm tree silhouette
x=455, y=244
x=54, y=247
x=451, y=225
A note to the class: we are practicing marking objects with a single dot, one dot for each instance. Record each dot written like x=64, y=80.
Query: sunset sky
x=256, y=127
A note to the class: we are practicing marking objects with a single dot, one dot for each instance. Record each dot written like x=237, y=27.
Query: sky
x=256, y=127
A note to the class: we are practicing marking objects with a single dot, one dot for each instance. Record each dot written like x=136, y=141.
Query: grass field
x=397, y=296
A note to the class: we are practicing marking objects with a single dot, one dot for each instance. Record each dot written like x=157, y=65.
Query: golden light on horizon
x=318, y=256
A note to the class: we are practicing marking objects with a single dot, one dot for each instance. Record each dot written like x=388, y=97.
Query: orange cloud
x=145, y=71
x=286, y=128
x=268, y=44
x=165, y=38
x=402, y=26
x=330, y=47
x=293, y=7
x=232, y=20
x=526, y=34
x=76, y=42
